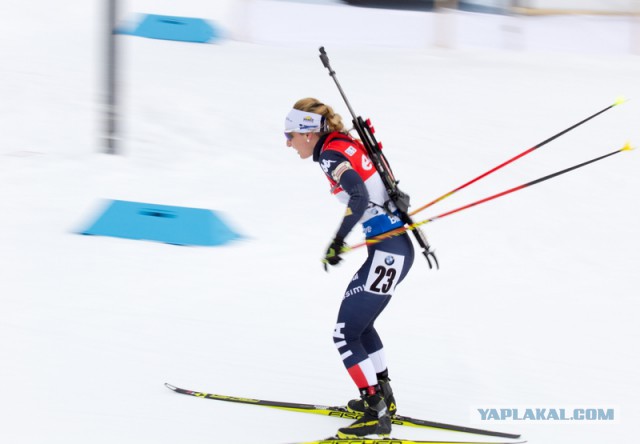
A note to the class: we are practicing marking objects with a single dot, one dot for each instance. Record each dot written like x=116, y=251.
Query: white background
x=536, y=302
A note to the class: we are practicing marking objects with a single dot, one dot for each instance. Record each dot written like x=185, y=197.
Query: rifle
x=399, y=198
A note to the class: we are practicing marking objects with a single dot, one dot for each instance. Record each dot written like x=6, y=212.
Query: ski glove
x=332, y=256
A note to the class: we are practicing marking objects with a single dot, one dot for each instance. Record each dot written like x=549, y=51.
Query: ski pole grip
x=325, y=60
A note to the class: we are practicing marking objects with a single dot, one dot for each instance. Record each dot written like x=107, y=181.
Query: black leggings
x=367, y=295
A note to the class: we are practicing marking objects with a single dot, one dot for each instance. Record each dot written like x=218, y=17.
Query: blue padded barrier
x=167, y=27
x=162, y=223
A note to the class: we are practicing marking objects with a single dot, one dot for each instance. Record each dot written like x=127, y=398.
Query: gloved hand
x=332, y=256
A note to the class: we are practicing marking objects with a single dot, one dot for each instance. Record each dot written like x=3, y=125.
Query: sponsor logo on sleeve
x=326, y=164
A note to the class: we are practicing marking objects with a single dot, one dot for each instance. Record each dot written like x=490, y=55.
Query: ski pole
x=618, y=101
x=402, y=230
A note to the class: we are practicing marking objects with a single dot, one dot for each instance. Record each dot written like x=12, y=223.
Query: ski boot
x=357, y=405
x=375, y=419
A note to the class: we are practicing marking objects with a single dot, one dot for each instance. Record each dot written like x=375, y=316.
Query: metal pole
x=112, y=69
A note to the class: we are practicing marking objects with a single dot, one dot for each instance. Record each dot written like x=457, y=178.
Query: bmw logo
x=389, y=260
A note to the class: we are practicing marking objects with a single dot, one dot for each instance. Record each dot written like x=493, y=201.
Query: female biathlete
x=314, y=130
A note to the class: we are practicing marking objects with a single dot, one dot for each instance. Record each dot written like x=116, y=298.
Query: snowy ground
x=536, y=303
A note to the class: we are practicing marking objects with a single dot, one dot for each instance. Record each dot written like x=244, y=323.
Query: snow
x=535, y=304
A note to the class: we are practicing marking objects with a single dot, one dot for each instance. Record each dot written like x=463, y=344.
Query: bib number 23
x=384, y=273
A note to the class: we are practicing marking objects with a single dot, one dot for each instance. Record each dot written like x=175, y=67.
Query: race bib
x=384, y=273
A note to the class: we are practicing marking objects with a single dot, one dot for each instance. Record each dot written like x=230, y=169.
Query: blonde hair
x=333, y=120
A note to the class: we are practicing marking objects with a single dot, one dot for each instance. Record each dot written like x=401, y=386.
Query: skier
x=314, y=130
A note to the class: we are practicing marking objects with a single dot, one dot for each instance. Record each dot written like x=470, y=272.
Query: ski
x=333, y=440
x=342, y=412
